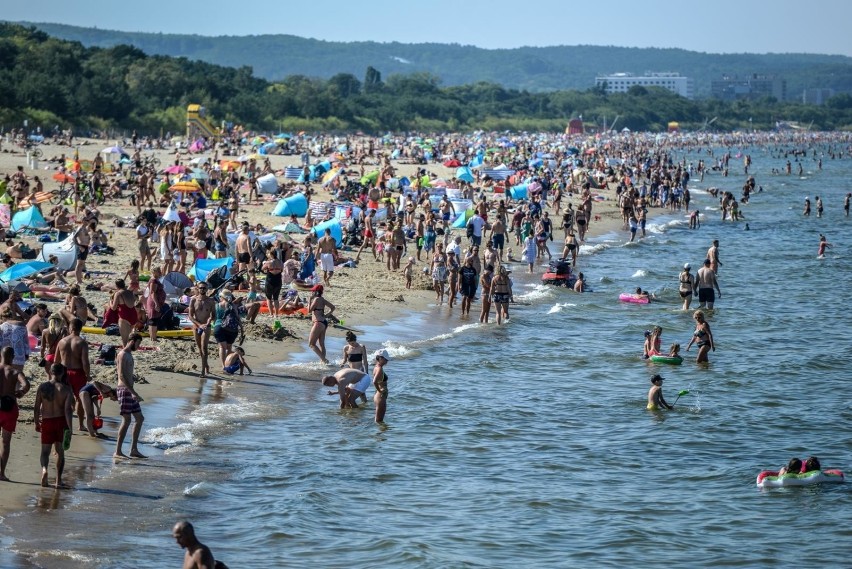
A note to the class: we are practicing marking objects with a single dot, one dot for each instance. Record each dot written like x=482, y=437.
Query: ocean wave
x=198, y=490
x=410, y=349
x=592, y=249
x=538, y=292
x=559, y=306
x=639, y=274
x=202, y=423
x=663, y=227
x=309, y=366
x=605, y=280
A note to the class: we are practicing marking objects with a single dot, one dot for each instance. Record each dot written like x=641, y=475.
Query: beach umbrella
x=113, y=150
x=229, y=165
x=199, y=174
x=176, y=169
x=370, y=178
x=64, y=178
x=452, y=163
x=185, y=187
x=329, y=177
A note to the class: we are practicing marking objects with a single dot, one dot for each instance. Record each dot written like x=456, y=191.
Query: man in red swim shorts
x=73, y=353
x=13, y=386
x=52, y=415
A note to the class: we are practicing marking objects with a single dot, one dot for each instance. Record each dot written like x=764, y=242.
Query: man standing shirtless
x=243, y=247
x=72, y=351
x=705, y=282
x=128, y=399
x=13, y=386
x=52, y=417
x=201, y=311
x=713, y=255
x=327, y=247
x=82, y=240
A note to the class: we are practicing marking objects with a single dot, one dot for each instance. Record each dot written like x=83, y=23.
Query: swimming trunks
x=9, y=419
x=652, y=407
x=231, y=369
x=244, y=258
x=501, y=297
x=362, y=384
x=76, y=379
x=53, y=430
x=706, y=295
x=498, y=241
x=128, y=403
x=327, y=262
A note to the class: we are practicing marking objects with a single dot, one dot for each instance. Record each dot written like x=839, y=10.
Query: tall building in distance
x=754, y=86
x=817, y=96
x=622, y=82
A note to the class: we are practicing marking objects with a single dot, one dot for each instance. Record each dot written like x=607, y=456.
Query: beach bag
x=168, y=320
x=231, y=320
x=469, y=230
x=107, y=353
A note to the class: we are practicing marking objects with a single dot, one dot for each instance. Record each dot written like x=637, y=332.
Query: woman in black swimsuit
x=570, y=248
x=319, y=316
x=273, y=268
x=702, y=337
x=354, y=354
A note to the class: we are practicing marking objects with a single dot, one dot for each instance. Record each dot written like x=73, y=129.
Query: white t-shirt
x=477, y=223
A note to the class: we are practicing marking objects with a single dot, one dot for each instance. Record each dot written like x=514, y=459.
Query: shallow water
x=527, y=443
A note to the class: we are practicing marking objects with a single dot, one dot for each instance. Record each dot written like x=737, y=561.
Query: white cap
x=686, y=266
x=383, y=354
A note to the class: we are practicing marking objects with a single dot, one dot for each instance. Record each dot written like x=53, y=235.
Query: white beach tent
x=65, y=251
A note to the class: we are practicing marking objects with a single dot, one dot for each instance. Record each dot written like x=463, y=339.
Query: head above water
x=657, y=378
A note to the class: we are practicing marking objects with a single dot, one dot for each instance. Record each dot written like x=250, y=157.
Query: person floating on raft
x=798, y=473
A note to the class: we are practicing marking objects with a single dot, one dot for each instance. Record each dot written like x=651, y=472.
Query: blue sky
x=718, y=26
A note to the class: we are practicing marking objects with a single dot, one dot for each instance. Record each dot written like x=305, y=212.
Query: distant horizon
x=389, y=42
x=728, y=27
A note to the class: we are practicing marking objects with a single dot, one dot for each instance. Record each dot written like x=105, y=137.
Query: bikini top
x=355, y=357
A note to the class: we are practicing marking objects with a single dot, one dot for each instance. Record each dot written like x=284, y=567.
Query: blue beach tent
x=28, y=218
x=336, y=230
x=203, y=267
x=294, y=205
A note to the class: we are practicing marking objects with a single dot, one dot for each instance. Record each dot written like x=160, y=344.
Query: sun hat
x=382, y=354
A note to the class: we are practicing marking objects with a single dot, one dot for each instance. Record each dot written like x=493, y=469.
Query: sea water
x=525, y=444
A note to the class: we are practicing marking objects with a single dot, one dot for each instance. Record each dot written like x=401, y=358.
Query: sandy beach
x=366, y=294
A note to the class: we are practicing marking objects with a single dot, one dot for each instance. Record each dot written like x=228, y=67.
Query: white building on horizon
x=622, y=82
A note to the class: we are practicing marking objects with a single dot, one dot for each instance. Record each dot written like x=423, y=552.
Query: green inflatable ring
x=658, y=359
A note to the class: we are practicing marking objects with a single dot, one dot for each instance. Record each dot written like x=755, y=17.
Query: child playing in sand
x=236, y=361
x=253, y=301
x=655, y=394
x=408, y=271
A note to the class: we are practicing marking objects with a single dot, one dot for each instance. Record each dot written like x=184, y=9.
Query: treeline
x=537, y=69
x=55, y=82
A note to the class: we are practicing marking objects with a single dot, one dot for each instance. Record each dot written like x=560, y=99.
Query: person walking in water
x=702, y=337
x=705, y=283
x=823, y=245
x=686, y=286
x=380, y=382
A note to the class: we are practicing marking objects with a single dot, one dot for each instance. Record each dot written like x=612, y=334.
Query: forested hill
x=532, y=68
